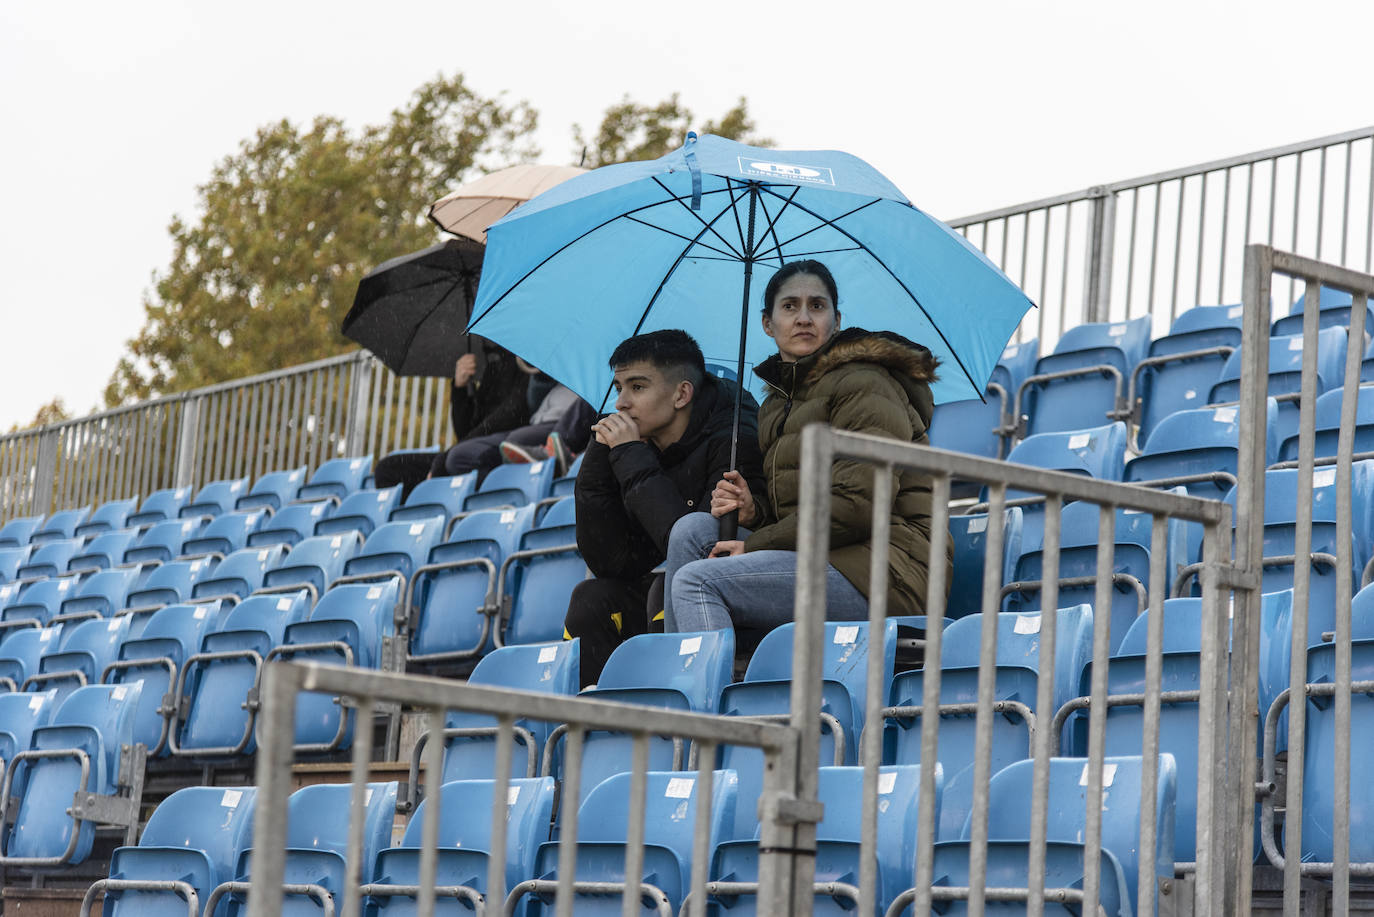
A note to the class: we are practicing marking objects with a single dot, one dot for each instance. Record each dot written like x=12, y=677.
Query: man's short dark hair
x=671, y=351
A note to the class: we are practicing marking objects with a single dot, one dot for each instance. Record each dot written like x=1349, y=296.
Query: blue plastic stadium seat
x=195, y=836
x=346, y=627
x=102, y=593
x=216, y=681
x=396, y=547
x=290, y=525
x=50, y=558
x=160, y=505
x=1201, y=327
x=1097, y=452
x=10, y=559
x=669, y=818
x=104, y=550
x=563, y=487
x=21, y=649
x=1018, y=661
x=216, y=498
x=680, y=671
x=16, y=532
x=1014, y=365
x=971, y=426
x=465, y=841
x=240, y=574
x=39, y=602
x=95, y=721
x=171, y=583
x=1196, y=445
x=551, y=668
x=450, y=592
x=969, y=535
x=436, y=497
x=512, y=485
x=839, y=836
x=60, y=525
x=316, y=561
x=1318, y=788
x=336, y=479
x=1285, y=373
x=108, y=517
x=20, y=715
x=561, y=512
x=1328, y=425
x=154, y=659
x=86, y=649
x=1009, y=830
x=541, y=576
x=1078, y=560
x=766, y=691
x=1335, y=309
x=361, y=512
x=317, y=830
x=163, y=540
x=1101, y=355
x=273, y=490
x=226, y=534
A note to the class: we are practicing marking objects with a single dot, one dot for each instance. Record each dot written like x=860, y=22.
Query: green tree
x=631, y=130
x=54, y=411
x=287, y=226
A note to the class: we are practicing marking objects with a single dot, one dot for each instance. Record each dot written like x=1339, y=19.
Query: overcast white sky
x=113, y=113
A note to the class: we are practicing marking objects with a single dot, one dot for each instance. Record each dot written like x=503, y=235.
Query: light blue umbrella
x=675, y=243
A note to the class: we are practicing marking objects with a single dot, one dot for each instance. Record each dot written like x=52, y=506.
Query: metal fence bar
x=1044, y=740
x=870, y=751
x=1097, y=711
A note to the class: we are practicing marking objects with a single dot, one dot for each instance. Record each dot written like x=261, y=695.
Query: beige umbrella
x=476, y=205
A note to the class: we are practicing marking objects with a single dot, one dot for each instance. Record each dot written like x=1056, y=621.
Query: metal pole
x=729, y=523
x=273, y=777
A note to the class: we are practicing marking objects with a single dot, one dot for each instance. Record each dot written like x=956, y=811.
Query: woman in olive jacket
x=867, y=382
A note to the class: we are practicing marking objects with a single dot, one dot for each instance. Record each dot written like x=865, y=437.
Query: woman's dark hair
x=792, y=269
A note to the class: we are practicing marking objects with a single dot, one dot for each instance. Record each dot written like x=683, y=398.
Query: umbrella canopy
x=477, y=204
x=675, y=243
x=411, y=311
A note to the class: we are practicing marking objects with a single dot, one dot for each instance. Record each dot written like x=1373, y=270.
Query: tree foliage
x=631, y=130
x=289, y=224
x=54, y=411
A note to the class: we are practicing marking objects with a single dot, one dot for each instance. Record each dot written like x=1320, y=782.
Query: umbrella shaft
x=729, y=523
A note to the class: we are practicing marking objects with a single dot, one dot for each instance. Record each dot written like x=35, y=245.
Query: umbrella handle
x=729, y=525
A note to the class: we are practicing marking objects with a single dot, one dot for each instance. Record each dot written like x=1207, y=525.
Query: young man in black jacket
x=657, y=458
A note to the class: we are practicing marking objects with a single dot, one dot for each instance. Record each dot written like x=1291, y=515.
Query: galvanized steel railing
x=1161, y=243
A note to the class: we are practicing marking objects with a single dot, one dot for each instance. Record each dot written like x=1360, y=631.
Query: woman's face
x=802, y=319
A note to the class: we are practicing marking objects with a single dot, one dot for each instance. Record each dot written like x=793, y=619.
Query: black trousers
x=603, y=613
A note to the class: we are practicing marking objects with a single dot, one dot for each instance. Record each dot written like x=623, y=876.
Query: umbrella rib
x=734, y=208
x=410, y=340
x=893, y=274
x=825, y=222
x=771, y=228
x=709, y=226
x=823, y=251
x=571, y=242
x=727, y=256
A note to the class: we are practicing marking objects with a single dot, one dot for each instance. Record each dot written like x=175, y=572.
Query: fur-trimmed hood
x=886, y=348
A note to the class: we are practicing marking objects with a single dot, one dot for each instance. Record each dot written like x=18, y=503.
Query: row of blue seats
x=201, y=838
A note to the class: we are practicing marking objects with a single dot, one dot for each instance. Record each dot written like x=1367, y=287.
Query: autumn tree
x=632, y=130
x=287, y=225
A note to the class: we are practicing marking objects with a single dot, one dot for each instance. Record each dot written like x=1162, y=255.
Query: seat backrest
x=361, y=511
x=515, y=485
x=368, y=610
x=216, y=498
x=318, y=560
x=274, y=489
x=61, y=524
x=41, y=600
x=1334, y=311
x=240, y=573
x=108, y=517
x=1098, y=452
x=1015, y=364
x=1205, y=428
x=564, y=512
x=336, y=478
x=163, y=540
x=171, y=582
x=215, y=820
x=49, y=558
x=669, y=810
x=20, y=715
x=105, y=592
x=844, y=660
x=109, y=711
x=104, y=550
x=21, y=650
x=17, y=531
x=1009, y=803
x=397, y=546
x=160, y=505
x=267, y=614
x=1285, y=365
x=441, y=497
x=317, y=818
x=1018, y=645
x=10, y=559
x=696, y=665
x=503, y=527
x=1206, y=318
x=226, y=533
x=290, y=524
x=174, y=631
x=969, y=535
x=1129, y=338
x=465, y=808
x=548, y=667
x=88, y=647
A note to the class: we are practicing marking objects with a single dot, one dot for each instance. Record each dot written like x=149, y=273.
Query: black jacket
x=495, y=403
x=629, y=497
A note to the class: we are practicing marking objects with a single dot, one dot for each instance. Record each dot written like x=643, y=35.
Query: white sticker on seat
x=119, y=692
x=381, y=496
x=283, y=604
x=1079, y=440
x=1190, y=394
x=317, y=509
x=262, y=555
x=417, y=528
x=230, y=799
x=64, y=585
x=689, y=645
x=886, y=783
x=367, y=797
x=1295, y=343
x=1324, y=478
x=355, y=464
x=847, y=634
x=1224, y=415
x=978, y=525
x=455, y=483
x=336, y=541
x=375, y=592
x=1235, y=311
x=236, y=487
x=548, y=654
x=200, y=613
x=507, y=516
x=536, y=468
x=1011, y=351
x=1116, y=331
x=112, y=626
x=1027, y=624
x=680, y=788
x=1108, y=775
x=512, y=795
x=35, y=702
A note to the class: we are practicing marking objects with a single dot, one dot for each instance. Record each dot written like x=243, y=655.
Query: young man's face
x=649, y=399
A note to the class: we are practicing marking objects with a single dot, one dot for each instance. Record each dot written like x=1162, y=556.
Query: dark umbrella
x=411, y=311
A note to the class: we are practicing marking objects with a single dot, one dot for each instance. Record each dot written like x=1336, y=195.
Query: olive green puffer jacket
x=865, y=382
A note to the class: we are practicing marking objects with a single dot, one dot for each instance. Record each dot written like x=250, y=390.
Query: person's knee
x=694, y=532
x=591, y=606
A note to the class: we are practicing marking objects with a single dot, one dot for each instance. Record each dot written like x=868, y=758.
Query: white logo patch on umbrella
x=788, y=171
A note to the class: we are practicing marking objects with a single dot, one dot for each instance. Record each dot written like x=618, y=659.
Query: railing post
x=188, y=438
x=45, y=473
x=359, y=394
x=1097, y=282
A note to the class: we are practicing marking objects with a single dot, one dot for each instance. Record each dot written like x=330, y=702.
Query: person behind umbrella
x=652, y=462
x=867, y=382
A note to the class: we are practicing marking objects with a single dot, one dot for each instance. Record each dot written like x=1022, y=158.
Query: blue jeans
x=753, y=590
